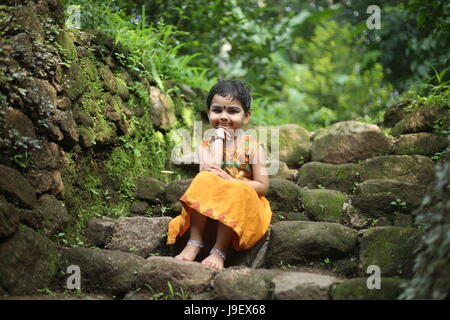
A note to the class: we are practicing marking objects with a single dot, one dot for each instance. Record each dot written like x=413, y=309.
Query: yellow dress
x=234, y=203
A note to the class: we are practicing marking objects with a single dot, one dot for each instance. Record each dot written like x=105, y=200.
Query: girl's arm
x=207, y=158
x=260, y=180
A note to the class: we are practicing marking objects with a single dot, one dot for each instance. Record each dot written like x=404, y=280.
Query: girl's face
x=227, y=114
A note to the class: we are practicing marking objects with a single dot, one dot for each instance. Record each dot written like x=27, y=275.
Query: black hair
x=234, y=89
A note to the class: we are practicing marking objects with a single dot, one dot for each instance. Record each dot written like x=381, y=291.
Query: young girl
x=231, y=185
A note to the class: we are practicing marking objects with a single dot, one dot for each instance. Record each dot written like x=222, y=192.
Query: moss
x=67, y=47
x=323, y=205
x=391, y=248
x=356, y=289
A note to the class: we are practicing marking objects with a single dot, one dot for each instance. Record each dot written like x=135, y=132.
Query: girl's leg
x=223, y=239
x=197, y=226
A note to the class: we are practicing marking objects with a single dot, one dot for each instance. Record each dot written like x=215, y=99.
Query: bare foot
x=214, y=261
x=189, y=253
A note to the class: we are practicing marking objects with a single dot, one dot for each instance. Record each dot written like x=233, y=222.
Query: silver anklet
x=196, y=243
x=218, y=252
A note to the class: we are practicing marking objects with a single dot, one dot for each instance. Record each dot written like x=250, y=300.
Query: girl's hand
x=218, y=171
x=223, y=133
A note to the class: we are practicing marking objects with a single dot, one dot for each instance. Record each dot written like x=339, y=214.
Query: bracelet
x=219, y=138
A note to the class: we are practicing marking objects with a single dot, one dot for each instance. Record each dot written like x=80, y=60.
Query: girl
x=231, y=185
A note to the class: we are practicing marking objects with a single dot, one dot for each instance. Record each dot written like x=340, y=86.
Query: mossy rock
x=422, y=119
x=414, y=169
x=294, y=144
x=323, y=205
x=68, y=49
x=390, y=248
x=28, y=262
x=74, y=81
x=340, y=177
x=283, y=195
x=297, y=242
x=349, y=141
x=423, y=143
x=356, y=289
x=376, y=198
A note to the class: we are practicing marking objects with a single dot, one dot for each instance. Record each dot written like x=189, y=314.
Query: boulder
x=395, y=113
x=28, y=21
x=74, y=82
x=48, y=157
x=41, y=180
x=375, y=198
x=322, y=204
x=99, y=231
x=54, y=214
x=421, y=119
x=390, y=248
x=150, y=190
x=16, y=188
x=283, y=195
x=302, y=286
x=349, y=141
x=283, y=171
x=409, y=169
x=341, y=177
x=103, y=270
x=293, y=146
x=189, y=276
x=174, y=191
x=357, y=289
x=296, y=242
x=28, y=262
x=162, y=109
x=140, y=235
x=16, y=120
x=242, y=284
x=253, y=258
x=423, y=143
x=9, y=219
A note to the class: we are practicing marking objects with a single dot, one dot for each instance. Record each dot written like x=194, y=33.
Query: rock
x=283, y=195
x=28, y=262
x=390, y=248
x=423, y=143
x=395, y=113
x=48, y=157
x=40, y=180
x=254, y=257
x=302, y=286
x=349, y=141
x=64, y=120
x=374, y=198
x=16, y=120
x=49, y=8
x=65, y=41
x=28, y=20
x=409, y=169
x=22, y=46
x=294, y=242
x=103, y=270
x=283, y=171
x=16, y=188
x=9, y=219
x=340, y=177
x=323, y=205
x=356, y=289
x=422, y=119
x=99, y=231
x=58, y=187
x=139, y=207
x=63, y=103
x=352, y=217
x=403, y=220
x=174, y=191
x=74, y=82
x=294, y=144
x=242, y=284
x=54, y=214
x=162, y=109
x=158, y=271
x=139, y=235
x=150, y=189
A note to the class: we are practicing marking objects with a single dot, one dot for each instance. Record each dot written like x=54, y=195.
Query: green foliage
x=431, y=268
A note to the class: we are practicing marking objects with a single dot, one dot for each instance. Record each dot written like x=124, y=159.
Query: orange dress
x=234, y=203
